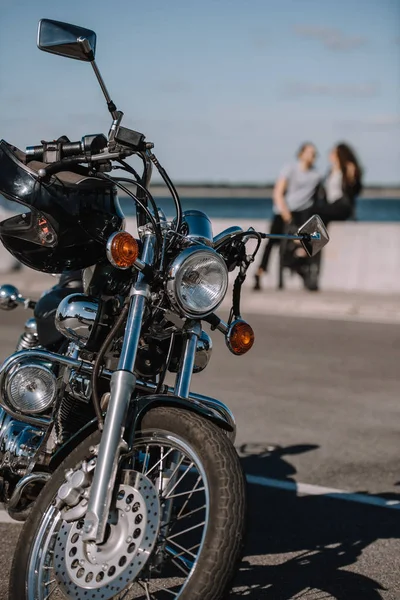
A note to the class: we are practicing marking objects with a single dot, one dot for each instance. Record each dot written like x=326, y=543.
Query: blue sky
x=227, y=89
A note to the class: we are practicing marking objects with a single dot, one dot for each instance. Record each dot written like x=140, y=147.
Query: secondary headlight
x=197, y=281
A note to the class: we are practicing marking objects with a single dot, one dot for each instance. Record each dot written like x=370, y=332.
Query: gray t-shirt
x=301, y=186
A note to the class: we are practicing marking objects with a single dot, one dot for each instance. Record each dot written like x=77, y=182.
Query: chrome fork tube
x=123, y=382
x=182, y=389
x=184, y=377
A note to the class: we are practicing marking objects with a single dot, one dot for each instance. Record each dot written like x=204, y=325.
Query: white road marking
x=318, y=490
x=305, y=489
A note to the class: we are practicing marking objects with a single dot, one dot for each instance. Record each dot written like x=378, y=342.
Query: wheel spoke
x=161, y=589
x=51, y=593
x=188, y=499
x=185, y=493
x=176, y=520
x=182, y=568
x=185, y=550
x=174, y=472
x=146, y=459
x=158, y=462
x=178, y=482
x=175, y=555
x=170, y=537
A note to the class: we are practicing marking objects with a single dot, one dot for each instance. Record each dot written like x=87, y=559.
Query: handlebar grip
x=34, y=152
x=71, y=149
x=64, y=150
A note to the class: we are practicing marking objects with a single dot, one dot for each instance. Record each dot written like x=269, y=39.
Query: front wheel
x=175, y=528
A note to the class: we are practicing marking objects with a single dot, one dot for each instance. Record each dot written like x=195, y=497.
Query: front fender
x=146, y=403
x=143, y=405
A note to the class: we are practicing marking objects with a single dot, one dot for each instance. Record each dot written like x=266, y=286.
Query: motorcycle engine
x=18, y=443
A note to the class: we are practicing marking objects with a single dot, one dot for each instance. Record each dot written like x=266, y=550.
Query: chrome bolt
x=105, y=567
x=82, y=562
x=127, y=509
x=128, y=539
x=87, y=528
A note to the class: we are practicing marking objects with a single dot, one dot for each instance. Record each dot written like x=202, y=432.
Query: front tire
x=210, y=573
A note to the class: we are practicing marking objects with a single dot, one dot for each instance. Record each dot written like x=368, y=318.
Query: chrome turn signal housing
x=122, y=250
x=239, y=337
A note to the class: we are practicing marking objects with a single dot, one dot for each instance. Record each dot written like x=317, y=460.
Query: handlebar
x=65, y=149
x=57, y=150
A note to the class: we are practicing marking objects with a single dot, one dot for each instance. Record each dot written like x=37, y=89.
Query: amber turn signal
x=240, y=337
x=122, y=250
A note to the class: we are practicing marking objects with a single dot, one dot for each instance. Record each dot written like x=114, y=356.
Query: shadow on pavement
x=318, y=536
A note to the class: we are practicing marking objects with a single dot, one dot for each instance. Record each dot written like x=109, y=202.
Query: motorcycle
x=128, y=487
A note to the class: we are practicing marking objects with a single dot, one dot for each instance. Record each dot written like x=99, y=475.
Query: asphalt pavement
x=317, y=404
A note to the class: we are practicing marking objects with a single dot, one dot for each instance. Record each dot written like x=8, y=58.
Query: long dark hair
x=345, y=156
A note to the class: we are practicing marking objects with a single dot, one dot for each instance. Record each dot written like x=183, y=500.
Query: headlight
x=30, y=388
x=197, y=281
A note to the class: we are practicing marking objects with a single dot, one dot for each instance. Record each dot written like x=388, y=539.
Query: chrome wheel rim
x=178, y=475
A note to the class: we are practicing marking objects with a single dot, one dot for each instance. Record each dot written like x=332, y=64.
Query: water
x=371, y=209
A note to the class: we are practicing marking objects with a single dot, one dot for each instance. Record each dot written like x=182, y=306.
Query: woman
x=293, y=198
x=342, y=186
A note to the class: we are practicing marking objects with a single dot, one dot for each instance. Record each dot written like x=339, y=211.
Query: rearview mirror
x=66, y=40
x=315, y=235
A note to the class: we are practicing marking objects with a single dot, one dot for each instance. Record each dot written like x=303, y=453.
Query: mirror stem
x=89, y=52
x=110, y=104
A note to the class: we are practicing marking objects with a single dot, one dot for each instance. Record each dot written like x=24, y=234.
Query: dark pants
x=341, y=210
x=277, y=227
x=308, y=267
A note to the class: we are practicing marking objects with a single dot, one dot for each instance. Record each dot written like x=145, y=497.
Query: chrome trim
x=108, y=251
x=76, y=316
x=87, y=368
x=122, y=386
x=111, y=443
x=173, y=271
x=8, y=380
x=21, y=485
x=203, y=352
x=225, y=235
x=10, y=297
x=199, y=227
x=185, y=372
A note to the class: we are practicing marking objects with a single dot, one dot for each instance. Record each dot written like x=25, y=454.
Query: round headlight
x=197, y=281
x=31, y=388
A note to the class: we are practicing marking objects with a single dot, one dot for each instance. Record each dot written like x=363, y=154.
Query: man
x=293, y=195
x=295, y=189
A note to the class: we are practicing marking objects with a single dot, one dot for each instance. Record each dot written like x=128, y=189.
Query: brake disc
x=89, y=570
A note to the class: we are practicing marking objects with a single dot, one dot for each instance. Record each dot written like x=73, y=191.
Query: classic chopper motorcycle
x=130, y=488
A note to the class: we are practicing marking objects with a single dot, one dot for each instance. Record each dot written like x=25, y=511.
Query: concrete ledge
x=360, y=278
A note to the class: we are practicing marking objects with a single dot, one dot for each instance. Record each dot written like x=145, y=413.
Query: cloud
x=331, y=38
x=349, y=90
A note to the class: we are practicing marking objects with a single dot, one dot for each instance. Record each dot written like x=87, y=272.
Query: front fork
x=123, y=382
x=168, y=478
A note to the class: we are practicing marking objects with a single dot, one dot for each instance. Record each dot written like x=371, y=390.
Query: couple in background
x=300, y=191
